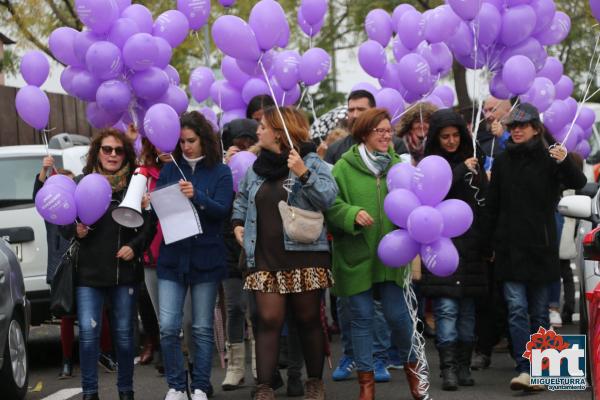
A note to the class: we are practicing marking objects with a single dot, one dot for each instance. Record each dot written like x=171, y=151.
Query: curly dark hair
x=211, y=146
x=92, y=157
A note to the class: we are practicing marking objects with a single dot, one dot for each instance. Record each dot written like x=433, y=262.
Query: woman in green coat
x=357, y=222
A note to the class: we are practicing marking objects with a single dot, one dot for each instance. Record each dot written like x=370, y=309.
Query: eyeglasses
x=108, y=150
x=515, y=125
x=383, y=131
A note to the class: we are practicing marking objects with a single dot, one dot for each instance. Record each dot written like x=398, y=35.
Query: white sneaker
x=199, y=395
x=555, y=319
x=173, y=394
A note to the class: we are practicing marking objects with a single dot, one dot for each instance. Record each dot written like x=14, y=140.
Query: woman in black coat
x=454, y=296
x=524, y=192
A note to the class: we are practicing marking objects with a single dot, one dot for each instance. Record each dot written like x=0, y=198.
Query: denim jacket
x=317, y=194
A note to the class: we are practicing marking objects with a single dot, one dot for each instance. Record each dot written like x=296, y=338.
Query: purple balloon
x=400, y=176
x=595, y=7
x=564, y=87
x=201, y=79
x=557, y=31
x=398, y=12
x=287, y=97
x=498, y=89
x=98, y=118
x=457, y=216
x=518, y=74
x=35, y=68
x=391, y=100
x=462, y=42
x=432, y=180
x=234, y=37
x=103, y=60
x=176, y=98
x=141, y=15
x=61, y=43
x=140, y=51
x=150, y=84
x=378, y=25
x=517, y=24
x=372, y=58
x=438, y=56
x=391, y=77
x=197, y=12
x=541, y=94
x=85, y=85
x=164, y=54
x=425, y=224
x=92, y=198
x=99, y=15
x=440, y=258
x=571, y=104
x=232, y=72
x=553, y=69
x=411, y=29
x=286, y=68
x=583, y=149
x=63, y=181
x=466, y=9
x=573, y=138
x=121, y=30
x=313, y=10
x=488, y=24
x=365, y=86
x=530, y=48
x=113, y=96
x=254, y=87
x=123, y=4
x=82, y=42
x=398, y=205
x=226, y=96
x=284, y=39
x=33, y=106
x=544, y=11
x=308, y=29
x=230, y=115
x=66, y=78
x=446, y=94
x=121, y=126
x=173, y=75
x=314, y=66
x=211, y=117
x=436, y=101
x=397, y=248
x=399, y=49
x=239, y=164
x=227, y=3
x=556, y=116
x=56, y=205
x=441, y=24
x=415, y=74
x=161, y=124
x=269, y=23
x=173, y=26
x=586, y=118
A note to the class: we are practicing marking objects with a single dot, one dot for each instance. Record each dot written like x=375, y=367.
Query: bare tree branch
x=69, y=6
x=58, y=14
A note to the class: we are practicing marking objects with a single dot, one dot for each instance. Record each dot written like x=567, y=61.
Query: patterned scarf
x=377, y=162
x=117, y=180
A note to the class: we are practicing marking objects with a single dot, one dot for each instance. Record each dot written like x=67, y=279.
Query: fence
x=67, y=114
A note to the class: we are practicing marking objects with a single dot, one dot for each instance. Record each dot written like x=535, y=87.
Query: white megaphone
x=129, y=212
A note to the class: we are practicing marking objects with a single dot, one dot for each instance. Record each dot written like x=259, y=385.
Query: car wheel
x=15, y=371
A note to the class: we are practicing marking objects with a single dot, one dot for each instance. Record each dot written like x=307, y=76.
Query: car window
x=17, y=177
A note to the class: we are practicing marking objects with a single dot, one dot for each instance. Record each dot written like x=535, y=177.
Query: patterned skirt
x=291, y=281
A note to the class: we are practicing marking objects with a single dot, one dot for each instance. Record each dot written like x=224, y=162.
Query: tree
x=9, y=64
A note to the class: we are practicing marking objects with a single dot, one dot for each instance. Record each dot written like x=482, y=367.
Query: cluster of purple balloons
x=415, y=203
x=249, y=47
x=61, y=201
x=239, y=164
x=31, y=102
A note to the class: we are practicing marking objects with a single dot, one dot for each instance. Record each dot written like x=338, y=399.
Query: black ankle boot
x=449, y=366
x=465, y=350
x=90, y=396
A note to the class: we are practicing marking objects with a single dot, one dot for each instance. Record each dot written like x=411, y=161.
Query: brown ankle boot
x=367, y=385
x=264, y=392
x=417, y=392
x=314, y=389
x=147, y=354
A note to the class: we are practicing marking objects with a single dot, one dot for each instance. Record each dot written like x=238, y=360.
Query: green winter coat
x=356, y=266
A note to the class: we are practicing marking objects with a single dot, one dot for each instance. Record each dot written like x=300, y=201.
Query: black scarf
x=273, y=166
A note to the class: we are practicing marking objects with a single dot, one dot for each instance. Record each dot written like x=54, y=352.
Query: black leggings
x=306, y=311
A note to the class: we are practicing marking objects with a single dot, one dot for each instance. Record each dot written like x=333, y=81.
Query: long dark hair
x=209, y=141
x=440, y=120
x=92, y=157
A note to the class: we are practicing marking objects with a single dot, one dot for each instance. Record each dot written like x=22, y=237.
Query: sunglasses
x=515, y=125
x=108, y=150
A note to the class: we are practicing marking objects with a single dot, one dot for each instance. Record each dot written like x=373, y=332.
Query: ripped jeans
x=90, y=301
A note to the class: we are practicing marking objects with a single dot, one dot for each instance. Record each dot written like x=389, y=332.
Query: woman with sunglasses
x=357, y=222
x=527, y=179
x=196, y=264
x=108, y=267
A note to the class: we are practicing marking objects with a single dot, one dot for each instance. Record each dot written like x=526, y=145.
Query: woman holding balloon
x=454, y=296
x=108, y=262
x=196, y=263
x=358, y=223
x=524, y=190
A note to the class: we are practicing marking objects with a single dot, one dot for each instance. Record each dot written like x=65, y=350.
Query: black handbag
x=62, y=287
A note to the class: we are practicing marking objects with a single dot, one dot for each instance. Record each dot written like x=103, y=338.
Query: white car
x=20, y=224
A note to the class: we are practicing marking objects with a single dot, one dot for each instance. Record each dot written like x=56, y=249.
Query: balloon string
x=469, y=177
x=177, y=165
x=283, y=99
x=314, y=114
x=302, y=97
x=285, y=129
x=476, y=127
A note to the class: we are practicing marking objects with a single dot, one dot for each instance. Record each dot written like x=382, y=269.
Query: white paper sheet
x=177, y=215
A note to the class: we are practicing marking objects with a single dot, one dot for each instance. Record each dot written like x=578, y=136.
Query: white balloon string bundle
x=302, y=97
x=417, y=340
x=476, y=125
x=285, y=129
x=469, y=178
x=311, y=104
x=177, y=165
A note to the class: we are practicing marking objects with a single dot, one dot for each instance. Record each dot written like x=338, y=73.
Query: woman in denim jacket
x=281, y=270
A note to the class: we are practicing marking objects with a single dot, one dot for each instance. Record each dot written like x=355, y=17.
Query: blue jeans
x=381, y=331
x=395, y=311
x=454, y=320
x=171, y=297
x=90, y=302
x=527, y=305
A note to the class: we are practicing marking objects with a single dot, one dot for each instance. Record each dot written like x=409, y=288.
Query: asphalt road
x=45, y=359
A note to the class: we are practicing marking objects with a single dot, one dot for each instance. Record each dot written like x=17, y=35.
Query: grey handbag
x=300, y=225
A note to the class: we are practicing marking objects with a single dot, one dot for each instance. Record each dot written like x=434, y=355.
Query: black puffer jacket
x=97, y=264
x=520, y=223
x=469, y=280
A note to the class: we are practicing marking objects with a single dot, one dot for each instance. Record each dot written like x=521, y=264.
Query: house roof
x=6, y=40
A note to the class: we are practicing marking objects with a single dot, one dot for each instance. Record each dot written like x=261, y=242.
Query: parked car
x=14, y=326
x=20, y=224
